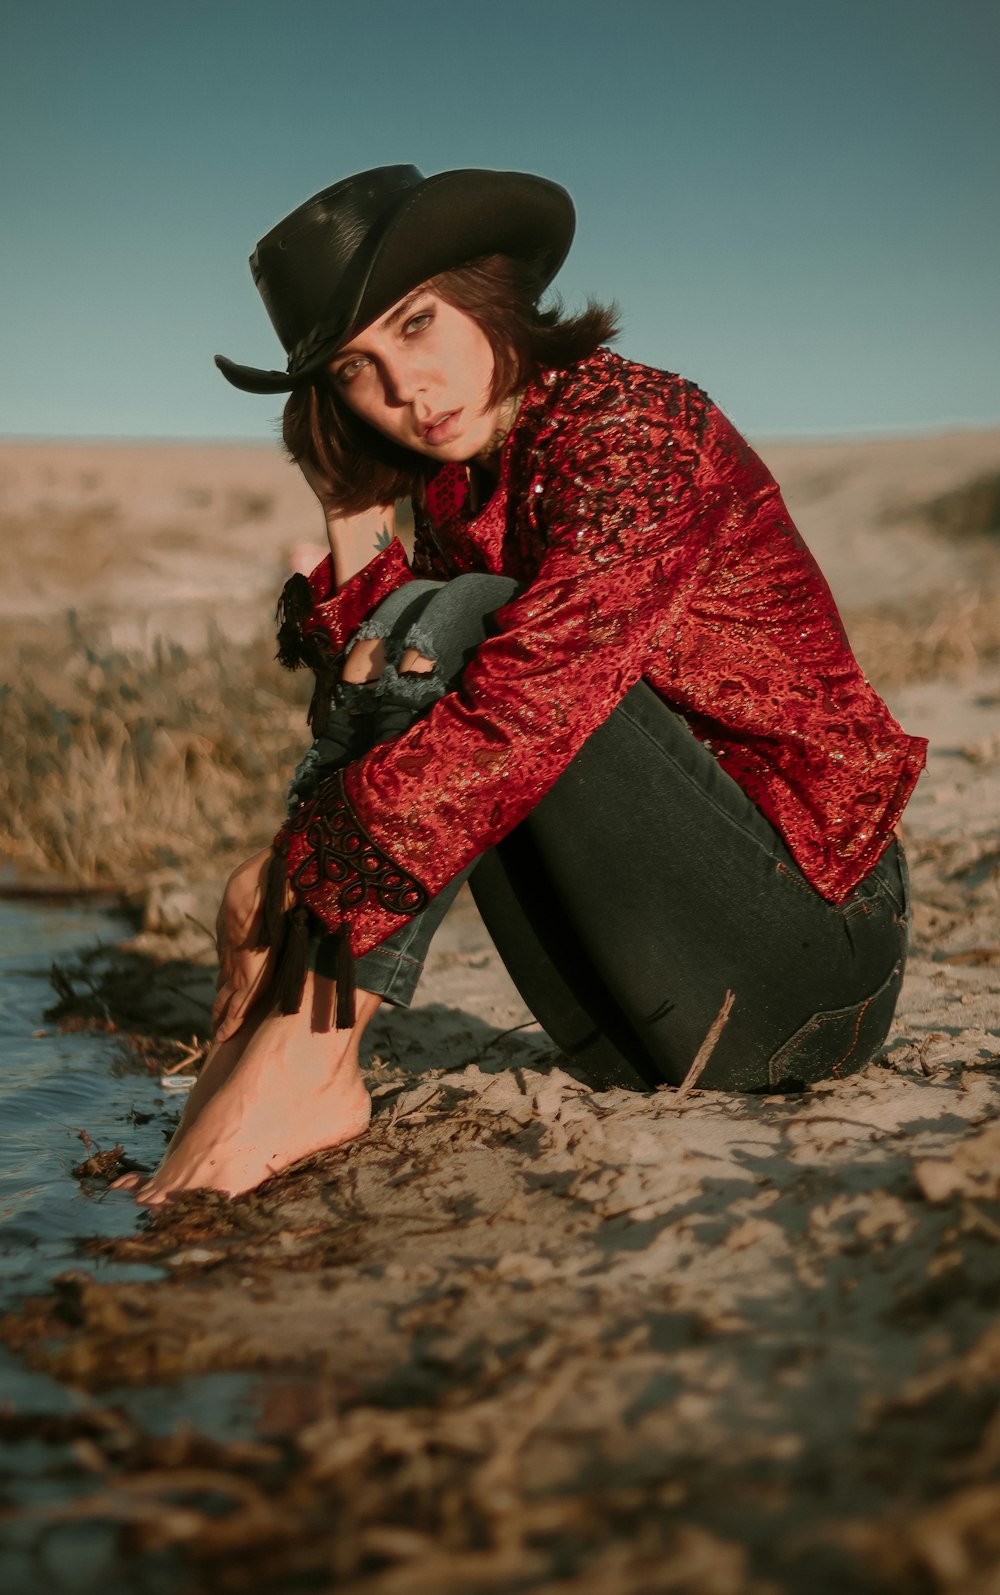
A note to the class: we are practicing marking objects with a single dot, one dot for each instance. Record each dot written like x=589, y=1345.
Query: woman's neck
x=488, y=458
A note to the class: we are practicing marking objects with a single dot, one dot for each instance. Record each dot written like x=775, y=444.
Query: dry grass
x=117, y=764
x=949, y=635
x=418, y=1501
x=970, y=510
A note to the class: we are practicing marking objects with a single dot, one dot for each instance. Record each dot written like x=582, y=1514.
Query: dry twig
x=706, y=1049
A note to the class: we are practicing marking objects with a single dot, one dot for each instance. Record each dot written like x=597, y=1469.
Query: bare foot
x=273, y=1093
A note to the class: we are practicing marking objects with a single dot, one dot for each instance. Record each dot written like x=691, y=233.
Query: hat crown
x=350, y=252
x=304, y=266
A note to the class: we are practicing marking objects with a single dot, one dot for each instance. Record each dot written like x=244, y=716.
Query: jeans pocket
x=838, y=1041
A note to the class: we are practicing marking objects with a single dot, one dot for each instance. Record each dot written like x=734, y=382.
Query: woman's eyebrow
x=402, y=309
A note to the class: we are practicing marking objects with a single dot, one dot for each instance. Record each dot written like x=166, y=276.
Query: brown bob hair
x=501, y=295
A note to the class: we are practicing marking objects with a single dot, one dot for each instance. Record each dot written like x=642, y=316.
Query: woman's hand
x=320, y=486
x=354, y=539
x=245, y=970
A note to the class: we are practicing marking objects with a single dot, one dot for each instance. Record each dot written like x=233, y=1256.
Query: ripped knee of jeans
x=364, y=661
x=415, y=643
x=416, y=689
x=410, y=674
x=430, y=631
x=355, y=697
x=414, y=663
x=413, y=674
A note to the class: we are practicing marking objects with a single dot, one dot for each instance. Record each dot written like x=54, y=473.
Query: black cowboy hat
x=341, y=259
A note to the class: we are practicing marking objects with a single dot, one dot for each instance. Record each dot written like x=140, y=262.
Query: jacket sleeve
x=334, y=616
x=330, y=617
x=401, y=822
x=316, y=622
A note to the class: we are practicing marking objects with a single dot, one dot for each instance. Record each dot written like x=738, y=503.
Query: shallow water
x=52, y=1085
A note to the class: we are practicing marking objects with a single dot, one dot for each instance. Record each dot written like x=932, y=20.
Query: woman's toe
x=128, y=1182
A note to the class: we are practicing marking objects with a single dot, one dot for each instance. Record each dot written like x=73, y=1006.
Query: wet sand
x=529, y=1336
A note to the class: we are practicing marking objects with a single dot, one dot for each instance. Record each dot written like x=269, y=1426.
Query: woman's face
x=421, y=375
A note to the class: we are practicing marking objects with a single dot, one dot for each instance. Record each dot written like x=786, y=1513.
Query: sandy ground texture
x=529, y=1336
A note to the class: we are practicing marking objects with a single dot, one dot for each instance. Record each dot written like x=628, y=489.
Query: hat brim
x=253, y=380
x=445, y=222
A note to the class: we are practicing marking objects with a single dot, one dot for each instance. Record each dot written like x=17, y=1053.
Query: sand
x=529, y=1336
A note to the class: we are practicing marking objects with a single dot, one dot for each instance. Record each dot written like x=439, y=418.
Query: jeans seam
x=407, y=934
x=707, y=796
x=396, y=980
x=797, y=879
x=397, y=957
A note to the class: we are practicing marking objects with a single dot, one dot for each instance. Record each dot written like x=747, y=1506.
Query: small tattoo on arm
x=383, y=540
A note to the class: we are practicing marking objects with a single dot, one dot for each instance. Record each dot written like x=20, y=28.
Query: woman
x=613, y=686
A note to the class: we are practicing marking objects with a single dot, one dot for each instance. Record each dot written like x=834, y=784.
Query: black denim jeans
x=642, y=888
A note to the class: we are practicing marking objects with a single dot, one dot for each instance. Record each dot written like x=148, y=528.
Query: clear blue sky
x=795, y=202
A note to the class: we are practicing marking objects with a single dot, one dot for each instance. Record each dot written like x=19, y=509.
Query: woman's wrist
x=356, y=539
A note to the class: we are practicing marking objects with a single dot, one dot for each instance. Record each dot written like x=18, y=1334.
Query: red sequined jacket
x=653, y=543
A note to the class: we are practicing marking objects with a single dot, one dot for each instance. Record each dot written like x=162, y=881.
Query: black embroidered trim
x=343, y=854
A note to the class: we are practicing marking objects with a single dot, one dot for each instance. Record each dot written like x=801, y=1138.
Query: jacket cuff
x=337, y=615
x=336, y=869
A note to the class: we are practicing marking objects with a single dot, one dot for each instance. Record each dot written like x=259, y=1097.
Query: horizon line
x=845, y=434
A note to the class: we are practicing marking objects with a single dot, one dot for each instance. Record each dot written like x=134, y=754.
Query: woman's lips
x=444, y=428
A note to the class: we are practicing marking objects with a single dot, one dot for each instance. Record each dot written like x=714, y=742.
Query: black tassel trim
x=294, y=607
x=272, y=921
x=346, y=1013
x=326, y=955
x=290, y=977
x=288, y=933
x=335, y=961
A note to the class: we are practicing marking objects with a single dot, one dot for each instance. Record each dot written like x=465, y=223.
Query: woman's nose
x=404, y=381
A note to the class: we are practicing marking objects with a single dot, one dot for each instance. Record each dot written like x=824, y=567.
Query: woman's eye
x=418, y=322
x=350, y=369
